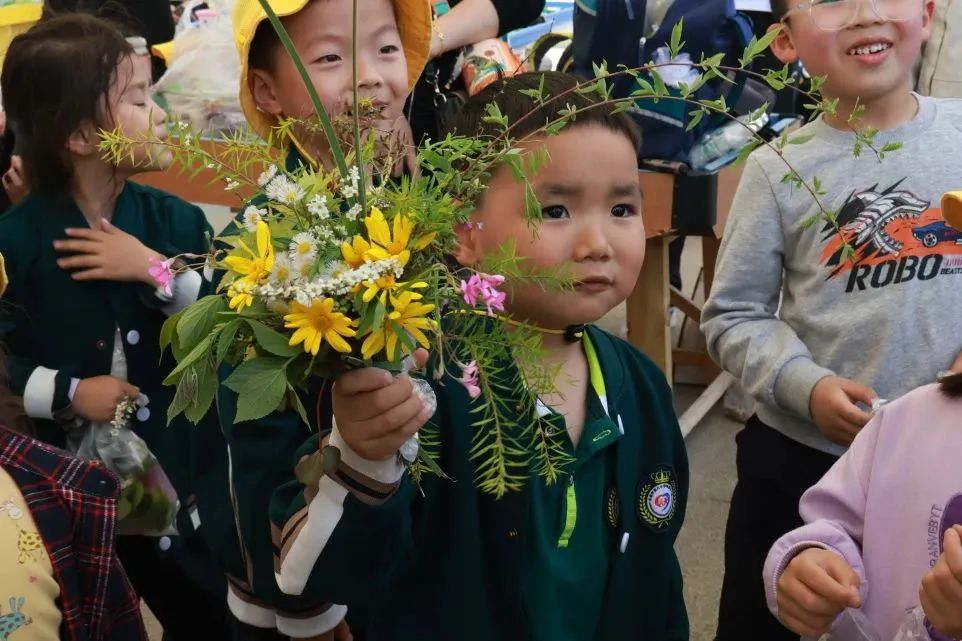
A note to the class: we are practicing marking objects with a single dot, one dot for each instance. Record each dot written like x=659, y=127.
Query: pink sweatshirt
x=886, y=505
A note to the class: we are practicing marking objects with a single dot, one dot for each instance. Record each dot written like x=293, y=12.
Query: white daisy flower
x=303, y=246
x=318, y=207
x=252, y=216
x=302, y=266
x=284, y=190
x=283, y=271
x=267, y=176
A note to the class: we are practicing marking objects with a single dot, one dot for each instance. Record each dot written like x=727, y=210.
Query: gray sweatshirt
x=786, y=308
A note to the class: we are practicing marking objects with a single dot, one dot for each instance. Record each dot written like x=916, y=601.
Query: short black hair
x=263, y=48
x=55, y=78
x=512, y=96
x=952, y=385
x=779, y=8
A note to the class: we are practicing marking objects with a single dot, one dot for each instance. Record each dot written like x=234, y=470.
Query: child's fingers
x=80, y=232
x=131, y=391
x=394, y=419
x=414, y=425
x=952, y=552
x=97, y=273
x=80, y=261
x=360, y=381
x=77, y=246
x=858, y=392
x=833, y=583
x=853, y=416
x=420, y=357
x=842, y=573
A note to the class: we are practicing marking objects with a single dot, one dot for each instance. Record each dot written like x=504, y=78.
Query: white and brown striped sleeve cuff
x=371, y=482
x=300, y=542
x=310, y=621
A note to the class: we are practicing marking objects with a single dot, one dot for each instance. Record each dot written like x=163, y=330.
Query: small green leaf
x=675, y=44
x=195, y=354
x=207, y=384
x=661, y=89
x=186, y=388
x=696, y=117
x=800, y=140
x=890, y=147
x=309, y=470
x=198, y=320
x=295, y=400
x=271, y=341
x=226, y=340
x=167, y=332
x=429, y=462
x=260, y=384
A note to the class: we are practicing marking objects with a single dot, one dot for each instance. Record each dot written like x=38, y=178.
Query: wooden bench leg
x=647, y=307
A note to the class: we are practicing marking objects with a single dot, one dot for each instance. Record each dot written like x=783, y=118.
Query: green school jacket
x=446, y=565
x=49, y=320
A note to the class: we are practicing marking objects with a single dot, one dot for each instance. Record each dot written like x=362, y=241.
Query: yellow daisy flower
x=354, y=252
x=240, y=294
x=319, y=323
x=409, y=316
x=258, y=267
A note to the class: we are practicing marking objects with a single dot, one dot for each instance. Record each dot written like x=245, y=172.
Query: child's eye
x=622, y=211
x=555, y=212
x=389, y=49
x=330, y=58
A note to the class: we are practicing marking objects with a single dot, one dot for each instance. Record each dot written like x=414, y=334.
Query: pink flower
x=470, y=379
x=161, y=273
x=483, y=287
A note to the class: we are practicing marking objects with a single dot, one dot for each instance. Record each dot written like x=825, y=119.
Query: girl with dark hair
x=82, y=317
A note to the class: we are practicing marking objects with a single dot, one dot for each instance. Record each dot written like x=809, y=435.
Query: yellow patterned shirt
x=28, y=588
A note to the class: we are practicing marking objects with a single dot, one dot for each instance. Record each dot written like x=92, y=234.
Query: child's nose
x=593, y=243
x=865, y=13
x=368, y=74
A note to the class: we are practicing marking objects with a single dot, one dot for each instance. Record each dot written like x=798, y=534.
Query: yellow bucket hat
x=413, y=21
x=3, y=276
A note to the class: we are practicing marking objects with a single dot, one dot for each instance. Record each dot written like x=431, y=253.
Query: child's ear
x=928, y=11
x=468, y=251
x=84, y=141
x=262, y=89
x=783, y=47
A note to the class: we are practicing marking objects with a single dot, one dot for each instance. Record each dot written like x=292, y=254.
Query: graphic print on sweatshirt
x=897, y=237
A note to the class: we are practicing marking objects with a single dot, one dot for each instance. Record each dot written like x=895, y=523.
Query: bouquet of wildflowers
x=345, y=267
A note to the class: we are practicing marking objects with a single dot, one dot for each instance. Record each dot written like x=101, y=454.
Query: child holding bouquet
x=563, y=559
x=91, y=284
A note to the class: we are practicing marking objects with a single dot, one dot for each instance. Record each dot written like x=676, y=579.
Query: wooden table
x=647, y=307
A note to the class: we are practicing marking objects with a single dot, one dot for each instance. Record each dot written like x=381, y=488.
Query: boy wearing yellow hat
x=239, y=468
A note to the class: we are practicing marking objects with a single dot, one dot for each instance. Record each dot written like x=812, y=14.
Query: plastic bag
x=148, y=503
x=202, y=79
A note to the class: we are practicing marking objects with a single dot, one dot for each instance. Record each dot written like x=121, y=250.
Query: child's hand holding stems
x=375, y=412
